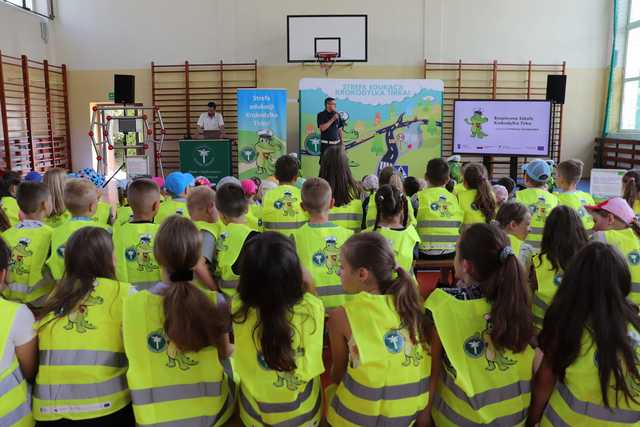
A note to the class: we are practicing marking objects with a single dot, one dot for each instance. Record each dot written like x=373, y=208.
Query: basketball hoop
x=326, y=60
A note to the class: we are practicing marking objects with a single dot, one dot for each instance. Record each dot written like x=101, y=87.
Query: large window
x=43, y=8
x=630, y=120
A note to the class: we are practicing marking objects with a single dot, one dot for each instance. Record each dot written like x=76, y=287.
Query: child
x=8, y=187
x=133, y=240
x=615, y=223
x=30, y=240
x=477, y=200
x=281, y=209
x=19, y=362
x=234, y=233
x=567, y=177
x=388, y=176
x=176, y=338
x=631, y=188
x=82, y=365
x=378, y=340
x=177, y=185
x=481, y=341
x=279, y=326
x=514, y=219
x=103, y=214
x=347, y=209
x=318, y=242
x=536, y=198
x=391, y=223
x=81, y=200
x=563, y=237
x=201, y=203
x=411, y=186
x=55, y=179
x=439, y=216
x=590, y=339
x=509, y=184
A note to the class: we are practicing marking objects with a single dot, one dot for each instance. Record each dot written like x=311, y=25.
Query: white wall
x=20, y=35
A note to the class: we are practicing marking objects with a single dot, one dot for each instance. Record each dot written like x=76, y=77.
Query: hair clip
x=181, y=276
x=505, y=253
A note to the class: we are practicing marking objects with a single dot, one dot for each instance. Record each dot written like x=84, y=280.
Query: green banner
x=210, y=158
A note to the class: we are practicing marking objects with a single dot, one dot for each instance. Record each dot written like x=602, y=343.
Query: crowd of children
x=200, y=305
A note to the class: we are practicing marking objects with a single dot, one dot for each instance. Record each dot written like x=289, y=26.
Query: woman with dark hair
x=591, y=342
x=481, y=341
x=279, y=326
x=334, y=168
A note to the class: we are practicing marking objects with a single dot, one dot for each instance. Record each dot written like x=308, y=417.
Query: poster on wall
x=386, y=123
x=262, y=131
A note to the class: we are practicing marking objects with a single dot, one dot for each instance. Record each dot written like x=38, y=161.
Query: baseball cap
x=228, y=180
x=202, y=180
x=249, y=187
x=177, y=183
x=96, y=178
x=616, y=206
x=33, y=176
x=537, y=170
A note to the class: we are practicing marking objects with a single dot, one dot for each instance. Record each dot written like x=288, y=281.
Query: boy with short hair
x=30, y=280
x=281, y=209
x=201, y=203
x=232, y=208
x=177, y=185
x=81, y=200
x=318, y=242
x=536, y=198
x=133, y=240
x=568, y=175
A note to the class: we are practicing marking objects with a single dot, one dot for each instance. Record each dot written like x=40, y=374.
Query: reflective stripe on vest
x=456, y=419
x=82, y=357
x=17, y=414
x=388, y=392
x=80, y=391
x=145, y=396
x=195, y=421
x=436, y=238
x=11, y=381
x=282, y=225
x=143, y=286
x=434, y=223
x=338, y=216
x=371, y=420
x=25, y=289
x=325, y=291
x=229, y=284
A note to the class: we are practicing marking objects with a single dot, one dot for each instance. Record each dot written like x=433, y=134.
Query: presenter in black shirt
x=330, y=125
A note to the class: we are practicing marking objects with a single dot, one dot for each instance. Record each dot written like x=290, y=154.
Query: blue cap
x=537, y=170
x=176, y=183
x=96, y=178
x=33, y=176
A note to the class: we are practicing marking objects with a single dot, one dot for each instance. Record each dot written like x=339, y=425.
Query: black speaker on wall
x=556, y=88
x=124, y=88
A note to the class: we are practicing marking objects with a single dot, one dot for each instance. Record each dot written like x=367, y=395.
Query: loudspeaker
x=556, y=88
x=124, y=88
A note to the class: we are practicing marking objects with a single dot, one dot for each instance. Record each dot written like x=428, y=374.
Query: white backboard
x=344, y=34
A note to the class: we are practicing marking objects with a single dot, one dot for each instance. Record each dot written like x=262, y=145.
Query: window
x=630, y=119
x=42, y=8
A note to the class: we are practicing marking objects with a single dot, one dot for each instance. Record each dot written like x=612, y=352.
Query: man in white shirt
x=211, y=121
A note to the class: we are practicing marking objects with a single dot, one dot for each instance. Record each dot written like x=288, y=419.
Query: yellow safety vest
x=388, y=382
x=30, y=243
x=548, y=281
x=403, y=243
x=523, y=251
x=170, y=387
x=459, y=188
x=254, y=217
x=348, y=216
x=82, y=360
x=628, y=244
x=481, y=384
x=281, y=209
x=577, y=401
x=228, y=247
x=439, y=219
x=124, y=214
x=472, y=215
x=576, y=200
x=59, y=237
x=372, y=212
x=171, y=207
x=133, y=251
x=273, y=398
x=15, y=409
x=540, y=204
x=318, y=247
x=103, y=213
x=636, y=207
x=11, y=209
x=57, y=220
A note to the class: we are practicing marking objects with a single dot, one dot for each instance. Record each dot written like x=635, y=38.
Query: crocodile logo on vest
x=540, y=210
x=441, y=206
x=77, y=318
x=398, y=341
x=284, y=379
x=634, y=257
x=18, y=254
x=221, y=241
x=158, y=342
x=481, y=344
x=328, y=256
x=286, y=204
x=142, y=254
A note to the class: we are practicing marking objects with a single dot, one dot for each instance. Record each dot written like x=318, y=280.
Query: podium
x=210, y=158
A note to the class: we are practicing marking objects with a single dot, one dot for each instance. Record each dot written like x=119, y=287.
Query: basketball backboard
x=344, y=34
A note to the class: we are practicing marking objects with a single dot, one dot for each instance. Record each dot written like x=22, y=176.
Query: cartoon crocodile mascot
x=540, y=209
x=412, y=353
x=495, y=358
x=144, y=254
x=158, y=342
x=286, y=204
x=78, y=317
x=288, y=379
x=18, y=253
x=331, y=253
x=442, y=206
x=476, y=121
x=267, y=149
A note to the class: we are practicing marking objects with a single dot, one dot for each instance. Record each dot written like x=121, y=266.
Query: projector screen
x=501, y=128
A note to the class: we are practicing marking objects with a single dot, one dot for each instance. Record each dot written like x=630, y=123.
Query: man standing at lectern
x=211, y=120
x=330, y=125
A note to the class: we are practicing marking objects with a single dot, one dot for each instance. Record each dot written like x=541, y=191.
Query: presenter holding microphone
x=330, y=125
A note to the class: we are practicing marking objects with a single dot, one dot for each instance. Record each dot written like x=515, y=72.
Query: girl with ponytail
x=482, y=334
x=279, y=326
x=176, y=337
x=631, y=189
x=478, y=200
x=378, y=337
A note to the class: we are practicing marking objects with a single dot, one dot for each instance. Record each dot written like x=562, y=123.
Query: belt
x=324, y=141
